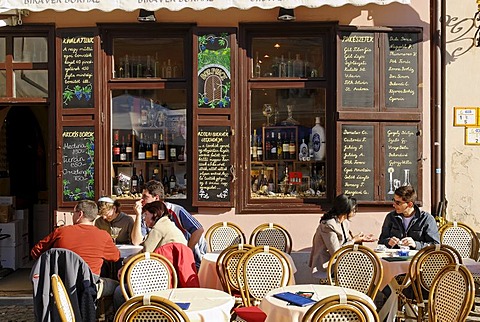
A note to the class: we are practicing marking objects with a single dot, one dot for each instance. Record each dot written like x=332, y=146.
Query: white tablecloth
x=206, y=305
x=128, y=250
x=207, y=274
x=278, y=311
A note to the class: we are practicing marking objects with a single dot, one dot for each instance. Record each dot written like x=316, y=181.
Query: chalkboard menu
x=401, y=79
x=357, y=161
x=77, y=69
x=401, y=156
x=357, y=69
x=78, y=163
x=214, y=145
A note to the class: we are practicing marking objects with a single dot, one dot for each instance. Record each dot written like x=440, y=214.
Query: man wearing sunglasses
x=407, y=225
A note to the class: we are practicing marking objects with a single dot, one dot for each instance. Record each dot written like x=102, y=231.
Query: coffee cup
x=404, y=250
x=381, y=248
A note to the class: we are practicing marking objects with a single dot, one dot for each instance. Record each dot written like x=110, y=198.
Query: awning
x=176, y=5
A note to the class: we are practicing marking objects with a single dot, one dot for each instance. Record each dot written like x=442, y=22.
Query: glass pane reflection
x=2, y=50
x=31, y=83
x=30, y=49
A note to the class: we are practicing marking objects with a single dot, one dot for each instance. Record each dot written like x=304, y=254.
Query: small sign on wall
x=465, y=116
x=472, y=135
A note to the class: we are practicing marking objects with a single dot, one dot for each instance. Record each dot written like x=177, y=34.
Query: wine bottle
x=285, y=147
x=292, y=147
x=155, y=146
x=172, y=150
x=166, y=181
x=289, y=66
x=279, y=146
x=141, y=181
x=168, y=69
x=129, y=148
x=148, y=70
x=318, y=139
x=268, y=147
x=259, y=149
x=172, y=181
x=144, y=115
x=141, y=149
x=273, y=147
x=155, y=175
x=282, y=68
x=148, y=149
x=298, y=67
x=116, y=147
x=123, y=150
x=258, y=68
x=134, y=182
x=127, y=67
x=161, y=148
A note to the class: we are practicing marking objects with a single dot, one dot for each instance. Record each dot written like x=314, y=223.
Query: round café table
x=280, y=311
x=205, y=304
x=207, y=274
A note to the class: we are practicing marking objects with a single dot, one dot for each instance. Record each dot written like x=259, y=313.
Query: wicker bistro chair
x=271, y=234
x=62, y=301
x=461, y=237
x=423, y=268
x=146, y=308
x=146, y=273
x=261, y=270
x=452, y=294
x=341, y=307
x=356, y=267
x=223, y=234
x=227, y=264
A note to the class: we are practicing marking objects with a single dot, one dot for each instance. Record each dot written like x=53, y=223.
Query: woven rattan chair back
x=222, y=235
x=461, y=237
x=452, y=294
x=341, y=307
x=147, y=308
x=263, y=268
x=356, y=267
x=146, y=273
x=273, y=235
x=227, y=263
x=62, y=301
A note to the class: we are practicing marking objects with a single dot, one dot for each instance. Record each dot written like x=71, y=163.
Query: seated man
x=407, y=225
x=190, y=227
x=93, y=245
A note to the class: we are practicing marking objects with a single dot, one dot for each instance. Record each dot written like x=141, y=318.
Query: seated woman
x=110, y=217
x=162, y=229
x=332, y=233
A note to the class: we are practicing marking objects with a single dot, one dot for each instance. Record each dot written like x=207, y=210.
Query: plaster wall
x=462, y=83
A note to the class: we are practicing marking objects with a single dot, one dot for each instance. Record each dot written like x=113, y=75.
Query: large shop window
x=290, y=105
x=149, y=110
x=380, y=113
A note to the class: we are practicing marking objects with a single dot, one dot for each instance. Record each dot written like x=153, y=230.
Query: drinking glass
x=114, y=231
x=267, y=112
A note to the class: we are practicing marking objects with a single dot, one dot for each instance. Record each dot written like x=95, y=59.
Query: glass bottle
x=155, y=146
x=406, y=181
x=165, y=181
x=127, y=67
x=134, y=182
x=258, y=68
x=172, y=181
x=303, y=154
x=152, y=114
x=172, y=150
x=155, y=175
x=148, y=70
x=279, y=146
x=259, y=149
x=123, y=150
x=298, y=67
x=144, y=115
x=148, y=149
x=307, y=67
x=289, y=66
x=254, y=146
x=116, y=148
x=273, y=147
x=292, y=147
x=139, y=69
x=168, y=69
x=141, y=181
x=268, y=147
x=285, y=147
x=121, y=69
x=156, y=68
x=161, y=148
x=318, y=139
x=129, y=148
x=141, y=149
x=282, y=68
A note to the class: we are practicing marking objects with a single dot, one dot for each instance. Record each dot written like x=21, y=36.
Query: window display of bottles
x=147, y=66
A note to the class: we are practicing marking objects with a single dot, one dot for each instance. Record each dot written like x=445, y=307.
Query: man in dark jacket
x=407, y=225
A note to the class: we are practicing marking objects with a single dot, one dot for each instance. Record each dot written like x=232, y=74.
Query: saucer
x=376, y=250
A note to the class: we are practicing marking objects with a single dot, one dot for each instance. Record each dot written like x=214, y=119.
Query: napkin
x=183, y=305
x=294, y=299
